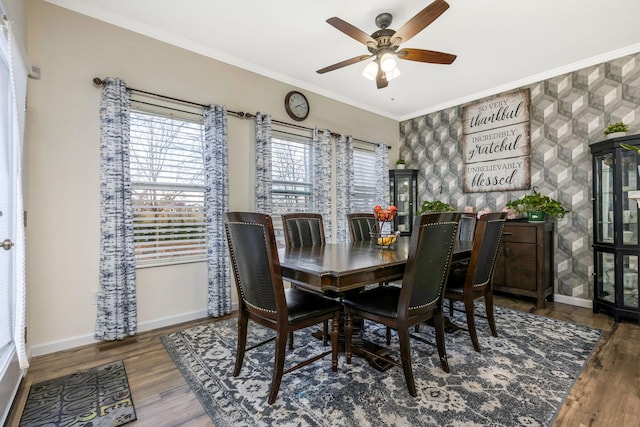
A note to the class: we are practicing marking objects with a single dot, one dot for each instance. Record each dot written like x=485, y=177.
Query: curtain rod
x=99, y=82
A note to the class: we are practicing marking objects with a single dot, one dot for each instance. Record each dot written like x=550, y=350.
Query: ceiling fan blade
x=421, y=55
x=343, y=63
x=420, y=21
x=353, y=32
x=381, y=80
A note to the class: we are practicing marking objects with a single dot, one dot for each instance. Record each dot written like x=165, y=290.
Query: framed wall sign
x=496, y=143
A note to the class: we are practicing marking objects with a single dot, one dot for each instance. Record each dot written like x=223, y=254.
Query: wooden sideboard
x=525, y=261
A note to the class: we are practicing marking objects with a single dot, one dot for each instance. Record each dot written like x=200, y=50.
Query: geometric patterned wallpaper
x=568, y=112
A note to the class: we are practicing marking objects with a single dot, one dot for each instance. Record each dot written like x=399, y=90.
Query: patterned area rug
x=519, y=379
x=91, y=398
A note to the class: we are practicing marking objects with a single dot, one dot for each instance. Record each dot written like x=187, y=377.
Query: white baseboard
x=579, y=302
x=77, y=341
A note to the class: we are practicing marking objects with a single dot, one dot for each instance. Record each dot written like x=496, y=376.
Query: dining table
x=335, y=269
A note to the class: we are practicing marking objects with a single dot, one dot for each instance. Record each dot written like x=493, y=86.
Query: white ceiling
x=501, y=44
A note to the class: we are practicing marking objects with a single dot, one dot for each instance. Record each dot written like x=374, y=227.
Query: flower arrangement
x=385, y=215
x=383, y=235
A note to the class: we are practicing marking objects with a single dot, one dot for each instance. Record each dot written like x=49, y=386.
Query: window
x=167, y=176
x=365, y=192
x=292, y=176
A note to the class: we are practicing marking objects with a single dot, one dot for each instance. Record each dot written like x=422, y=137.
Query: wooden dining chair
x=303, y=229
x=467, y=226
x=466, y=231
x=474, y=281
x=360, y=226
x=263, y=298
x=420, y=296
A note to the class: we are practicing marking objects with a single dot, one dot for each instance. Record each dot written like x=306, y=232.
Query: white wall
x=63, y=162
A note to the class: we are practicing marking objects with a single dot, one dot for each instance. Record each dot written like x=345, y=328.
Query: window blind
x=291, y=177
x=364, y=178
x=167, y=176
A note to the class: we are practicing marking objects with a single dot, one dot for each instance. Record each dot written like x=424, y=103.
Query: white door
x=9, y=367
x=5, y=222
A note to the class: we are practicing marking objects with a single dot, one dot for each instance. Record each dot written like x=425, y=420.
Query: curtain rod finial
x=97, y=81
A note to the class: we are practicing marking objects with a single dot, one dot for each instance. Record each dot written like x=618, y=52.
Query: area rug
x=94, y=397
x=520, y=378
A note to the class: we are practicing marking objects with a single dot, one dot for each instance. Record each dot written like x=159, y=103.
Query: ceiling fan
x=384, y=44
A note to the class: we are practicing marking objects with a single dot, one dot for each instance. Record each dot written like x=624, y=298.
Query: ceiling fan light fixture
x=371, y=70
x=387, y=62
x=390, y=75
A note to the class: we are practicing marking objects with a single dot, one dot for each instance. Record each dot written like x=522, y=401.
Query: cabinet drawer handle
x=507, y=251
x=507, y=233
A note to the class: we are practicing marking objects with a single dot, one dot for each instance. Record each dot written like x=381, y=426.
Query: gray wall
x=568, y=113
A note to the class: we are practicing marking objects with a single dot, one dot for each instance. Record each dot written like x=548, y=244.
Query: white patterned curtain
x=344, y=186
x=322, y=177
x=117, y=306
x=382, y=165
x=216, y=168
x=263, y=163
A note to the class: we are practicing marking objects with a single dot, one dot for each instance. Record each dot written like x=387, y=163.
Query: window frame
x=307, y=181
x=181, y=197
x=358, y=150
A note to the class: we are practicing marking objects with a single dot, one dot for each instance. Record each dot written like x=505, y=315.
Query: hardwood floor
x=606, y=394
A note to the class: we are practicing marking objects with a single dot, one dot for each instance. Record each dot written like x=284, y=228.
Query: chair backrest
x=303, y=229
x=486, y=243
x=255, y=262
x=361, y=225
x=428, y=262
x=467, y=226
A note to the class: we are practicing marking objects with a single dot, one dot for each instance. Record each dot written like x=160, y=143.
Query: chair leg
x=291, y=340
x=442, y=350
x=405, y=356
x=348, y=332
x=451, y=307
x=243, y=320
x=471, y=324
x=388, y=335
x=335, y=335
x=325, y=333
x=278, y=366
x=488, y=301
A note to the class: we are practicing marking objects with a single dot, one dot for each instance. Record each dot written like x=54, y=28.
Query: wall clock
x=296, y=105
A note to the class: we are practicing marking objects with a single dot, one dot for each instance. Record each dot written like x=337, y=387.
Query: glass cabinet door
x=606, y=277
x=630, y=281
x=629, y=206
x=603, y=184
x=403, y=186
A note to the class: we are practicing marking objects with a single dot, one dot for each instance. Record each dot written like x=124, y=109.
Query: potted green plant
x=400, y=164
x=616, y=129
x=538, y=207
x=435, y=206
